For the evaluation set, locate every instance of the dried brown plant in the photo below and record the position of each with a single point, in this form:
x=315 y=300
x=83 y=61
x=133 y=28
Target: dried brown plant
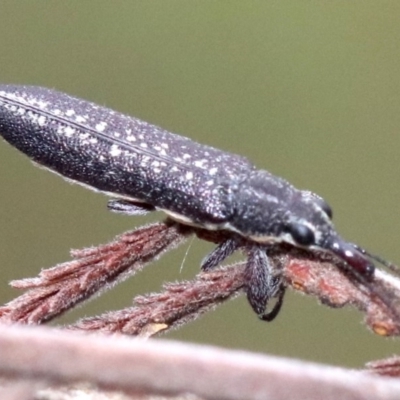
x=60 y=288
x=386 y=367
x=96 y=269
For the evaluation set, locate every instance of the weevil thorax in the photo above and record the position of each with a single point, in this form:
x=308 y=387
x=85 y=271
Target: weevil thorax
x=269 y=209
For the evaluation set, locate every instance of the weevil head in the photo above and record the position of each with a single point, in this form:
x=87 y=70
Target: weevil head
x=269 y=209
x=310 y=226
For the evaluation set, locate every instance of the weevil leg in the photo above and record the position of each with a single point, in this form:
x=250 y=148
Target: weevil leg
x=129 y=207
x=263 y=283
x=222 y=251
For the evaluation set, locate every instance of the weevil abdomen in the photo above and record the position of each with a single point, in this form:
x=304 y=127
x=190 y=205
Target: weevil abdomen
x=120 y=155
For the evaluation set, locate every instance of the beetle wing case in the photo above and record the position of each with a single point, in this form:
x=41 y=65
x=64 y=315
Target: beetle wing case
x=118 y=154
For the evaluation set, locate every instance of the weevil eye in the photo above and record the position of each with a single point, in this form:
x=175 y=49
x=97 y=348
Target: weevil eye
x=301 y=234
x=326 y=208
x=322 y=204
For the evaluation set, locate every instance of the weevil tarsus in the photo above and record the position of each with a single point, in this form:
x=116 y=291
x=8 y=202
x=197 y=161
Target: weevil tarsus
x=271 y=315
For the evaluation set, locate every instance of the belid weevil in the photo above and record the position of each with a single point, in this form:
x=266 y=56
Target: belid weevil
x=146 y=168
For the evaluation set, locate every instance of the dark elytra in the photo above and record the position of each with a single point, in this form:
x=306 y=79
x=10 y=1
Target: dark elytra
x=146 y=168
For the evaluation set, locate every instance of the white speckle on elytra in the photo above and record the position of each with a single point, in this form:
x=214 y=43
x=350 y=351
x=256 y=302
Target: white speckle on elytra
x=213 y=171
x=145 y=160
x=131 y=138
x=101 y=126
x=84 y=136
x=37 y=102
x=189 y=175
x=42 y=104
x=10 y=95
x=156 y=170
x=199 y=163
x=117 y=134
x=93 y=140
x=210 y=183
x=68 y=131
x=115 y=151
x=56 y=111
x=163 y=152
x=70 y=113
x=349 y=253
x=186 y=156
x=21 y=111
x=79 y=118
x=144 y=145
x=165 y=145
x=155 y=164
x=174 y=169
x=42 y=120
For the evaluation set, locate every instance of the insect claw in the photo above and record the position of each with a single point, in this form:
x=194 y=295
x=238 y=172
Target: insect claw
x=271 y=315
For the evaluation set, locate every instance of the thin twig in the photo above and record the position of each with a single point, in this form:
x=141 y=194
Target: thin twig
x=177 y=305
x=164 y=367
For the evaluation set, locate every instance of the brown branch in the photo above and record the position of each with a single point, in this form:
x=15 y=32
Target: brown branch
x=177 y=305
x=164 y=367
x=318 y=275
x=182 y=302
x=58 y=289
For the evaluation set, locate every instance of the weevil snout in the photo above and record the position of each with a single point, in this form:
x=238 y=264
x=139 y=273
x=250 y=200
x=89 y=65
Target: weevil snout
x=316 y=211
x=348 y=253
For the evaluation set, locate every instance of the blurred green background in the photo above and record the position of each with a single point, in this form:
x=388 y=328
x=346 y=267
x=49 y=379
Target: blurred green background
x=309 y=90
